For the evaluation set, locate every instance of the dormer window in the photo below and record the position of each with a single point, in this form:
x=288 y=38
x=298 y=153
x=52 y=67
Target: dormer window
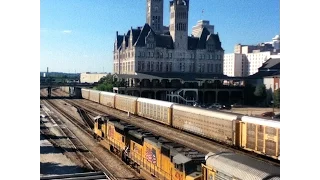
x=150 y=45
x=210 y=47
x=150 y=41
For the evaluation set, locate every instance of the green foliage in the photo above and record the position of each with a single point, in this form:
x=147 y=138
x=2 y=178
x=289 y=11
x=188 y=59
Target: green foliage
x=108 y=79
x=249 y=97
x=276 y=100
x=104 y=87
x=106 y=83
x=260 y=91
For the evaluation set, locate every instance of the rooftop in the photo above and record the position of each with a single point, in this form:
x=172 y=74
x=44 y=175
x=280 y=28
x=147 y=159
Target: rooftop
x=165 y=40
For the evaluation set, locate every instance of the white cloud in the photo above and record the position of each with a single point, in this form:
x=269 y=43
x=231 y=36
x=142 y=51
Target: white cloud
x=66 y=31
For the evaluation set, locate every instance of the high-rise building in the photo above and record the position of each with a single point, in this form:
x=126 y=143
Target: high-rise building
x=196 y=30
x=252 y=57
x=233 y=64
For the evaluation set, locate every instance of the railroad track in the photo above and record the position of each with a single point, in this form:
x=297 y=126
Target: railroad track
x=196 y=142
x=73 y=120
x=90 y=159
x=83 y=114
x=65 y=146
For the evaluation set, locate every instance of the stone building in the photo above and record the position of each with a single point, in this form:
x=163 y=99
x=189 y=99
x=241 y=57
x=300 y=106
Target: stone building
x=163 y=62
x=150 y=49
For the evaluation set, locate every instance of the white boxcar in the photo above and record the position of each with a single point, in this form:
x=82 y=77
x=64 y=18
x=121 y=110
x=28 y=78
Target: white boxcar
x=65 y=89
x=94 y=96
x=219 y=126
x=156 y=110
x=126 y=103
x=85 y=93
x=229 y=165
x=261 y=135
x=107 y=99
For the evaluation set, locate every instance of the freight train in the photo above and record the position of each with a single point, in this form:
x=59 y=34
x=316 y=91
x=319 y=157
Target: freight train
x=259 y=135
x=167 y=160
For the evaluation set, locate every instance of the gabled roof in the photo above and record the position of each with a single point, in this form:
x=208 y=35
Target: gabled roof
x=272 y=63
x=192 y=43
x=201 y=42
x=119 y=41
x=203 y=38
x=166 y=41
x=144 y=32
x=135 y=33
x=262 y=74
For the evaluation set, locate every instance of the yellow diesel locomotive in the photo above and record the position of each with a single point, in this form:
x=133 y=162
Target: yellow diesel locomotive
x=146 y=152
x=167 y=160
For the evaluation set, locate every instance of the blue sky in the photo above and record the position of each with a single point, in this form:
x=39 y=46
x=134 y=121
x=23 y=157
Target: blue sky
x=78 y=35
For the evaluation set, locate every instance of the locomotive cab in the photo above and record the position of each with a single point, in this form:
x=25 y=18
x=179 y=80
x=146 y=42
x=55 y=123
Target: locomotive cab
x=99 y=127
x=187 y=165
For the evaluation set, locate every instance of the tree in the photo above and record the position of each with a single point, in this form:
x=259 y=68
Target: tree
x=104 y=87
x=260 y=92
x=106 y=83
x=276 y=100
x=106 y=79
x=249 y=97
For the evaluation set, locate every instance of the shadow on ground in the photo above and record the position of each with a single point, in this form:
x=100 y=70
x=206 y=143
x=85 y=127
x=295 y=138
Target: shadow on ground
x=59 y=97
x=56 y=169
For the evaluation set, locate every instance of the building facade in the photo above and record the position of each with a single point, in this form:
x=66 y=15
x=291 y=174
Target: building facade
x=91 y=77
x=233 y=64
x=253 y=57
x=272 y=83
x=153 y=49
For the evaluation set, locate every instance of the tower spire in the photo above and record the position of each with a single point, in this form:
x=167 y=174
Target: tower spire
x=155 y=15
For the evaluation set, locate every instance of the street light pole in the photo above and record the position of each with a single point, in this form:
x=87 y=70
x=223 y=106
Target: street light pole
x=216 y=90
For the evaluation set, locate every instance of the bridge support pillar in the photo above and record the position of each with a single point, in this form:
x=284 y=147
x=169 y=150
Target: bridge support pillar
x=71 y=91
x=77 y=92
x=49 y=91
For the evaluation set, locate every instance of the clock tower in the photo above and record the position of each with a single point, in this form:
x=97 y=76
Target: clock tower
x=155 y=15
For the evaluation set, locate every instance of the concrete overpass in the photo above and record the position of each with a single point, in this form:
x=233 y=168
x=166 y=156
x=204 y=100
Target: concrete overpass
x=53 y=85
x=74 y=88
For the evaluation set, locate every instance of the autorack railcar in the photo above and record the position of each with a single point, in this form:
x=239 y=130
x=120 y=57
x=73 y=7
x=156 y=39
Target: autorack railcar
x=231 y=166
x=215 y=125
x=107 y=99
x=160 y=111
x=261 y=136
x=126 y=103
